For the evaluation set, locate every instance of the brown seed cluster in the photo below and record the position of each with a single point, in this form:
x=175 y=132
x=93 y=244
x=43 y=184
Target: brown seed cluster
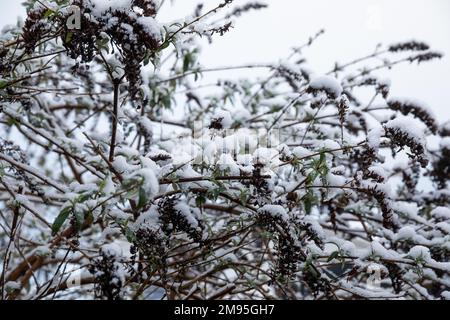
x=401 y=139
x=34 y=28
x=409 y=46
x=411 y=107
x=122 y=28
x=238 y=11
x=107 y=284
x=175 y=221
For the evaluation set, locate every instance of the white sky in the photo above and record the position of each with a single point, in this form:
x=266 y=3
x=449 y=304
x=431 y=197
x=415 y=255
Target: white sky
x=353 y=28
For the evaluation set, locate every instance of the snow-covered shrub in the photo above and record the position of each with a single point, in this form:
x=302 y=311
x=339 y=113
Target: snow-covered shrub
x=124 y=166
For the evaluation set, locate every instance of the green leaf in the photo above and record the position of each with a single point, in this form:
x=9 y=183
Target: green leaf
x=143 y=199
x=164 y=45
x=60 y=219
x=12 y=122
x=311 y=177
x=149 y=57
x=309 y=200
x=82 y=198
x=68 y=37
x=62 y=2
x=308 y=205
x=129 y=234
x=243 y=196
x=3 y=84
x=186 y=62
x=332 y=256
x=200 y=201
x=323 y=168
x=102 y=185
x=48 y=13
x=313 y=271
x=322 y=159
x=79 y=219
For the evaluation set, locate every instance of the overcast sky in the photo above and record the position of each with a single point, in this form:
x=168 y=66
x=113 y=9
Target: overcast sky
x=353 y=28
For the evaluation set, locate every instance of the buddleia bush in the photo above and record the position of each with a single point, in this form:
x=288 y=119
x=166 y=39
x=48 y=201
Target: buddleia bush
x=129 y=170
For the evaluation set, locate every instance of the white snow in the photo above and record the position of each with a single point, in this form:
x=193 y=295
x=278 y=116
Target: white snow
x=329 y=144
x=407 y=232
x=100 y=6
x=379 y=170
x=419 y=252
x=335 y=180
x=224 y=117
x=226 y=162
x=264 y=155
x=444 y=226
x=445 y=126
x=12 y=285
x=148 y=219
x=150 y=183
x=441 y=213
x=328 y=84
x=413 y=102
x=151 y=26
x=413 y=127
x=384 y=82
x=445 y=143
x=374 y=136
x=188 y=214
x=275 y=210
x=446 y=295
x=301 y=152
x=379 y=250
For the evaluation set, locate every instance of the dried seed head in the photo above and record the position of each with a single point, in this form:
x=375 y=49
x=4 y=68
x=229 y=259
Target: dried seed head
x=417 y=109
x=34 y=28
x=177 y=218
x=108 y=284
x=238 y=11
x=423 y=57
x=409 y=46
x=385 y=207
x=444 y=129
x=402 y=138
x=343 y=105
x=132 y=30
x=149 y=7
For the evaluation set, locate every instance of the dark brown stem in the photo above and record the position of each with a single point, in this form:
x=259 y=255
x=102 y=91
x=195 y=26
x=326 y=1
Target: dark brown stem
x=116 y=84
